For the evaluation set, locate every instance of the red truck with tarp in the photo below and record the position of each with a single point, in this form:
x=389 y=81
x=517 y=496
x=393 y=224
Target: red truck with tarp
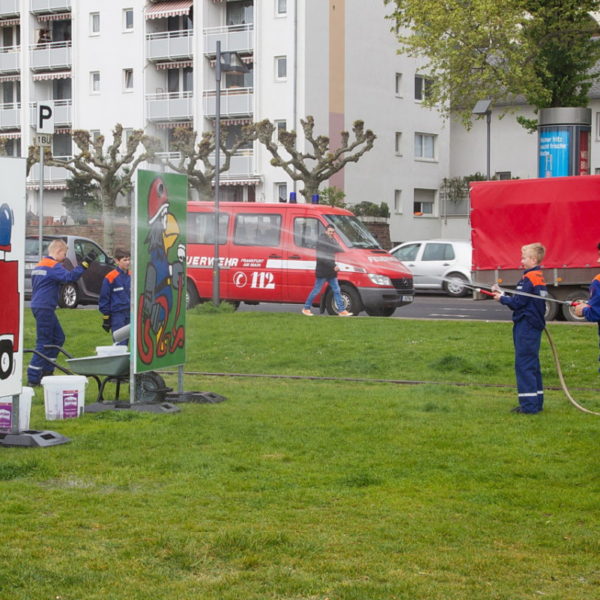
x=563 y=213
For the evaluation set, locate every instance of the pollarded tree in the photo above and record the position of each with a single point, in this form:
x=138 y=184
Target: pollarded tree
x=543 y=50
x=319 y=162
x=197 y=157
x=111 y=169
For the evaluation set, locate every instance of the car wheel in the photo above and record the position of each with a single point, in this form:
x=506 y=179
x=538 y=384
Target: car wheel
x=351 y=298
x=569 y=311
x=455 y=285
x=191 y=295
x=6 y=358
x=68 y=296
x=382 y=312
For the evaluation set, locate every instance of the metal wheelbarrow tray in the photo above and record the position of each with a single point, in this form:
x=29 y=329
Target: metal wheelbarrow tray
x=112 y=367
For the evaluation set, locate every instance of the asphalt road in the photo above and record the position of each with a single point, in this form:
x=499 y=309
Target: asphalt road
x=426 y=306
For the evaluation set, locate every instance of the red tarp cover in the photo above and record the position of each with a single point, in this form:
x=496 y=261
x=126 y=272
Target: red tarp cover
x=563 y=213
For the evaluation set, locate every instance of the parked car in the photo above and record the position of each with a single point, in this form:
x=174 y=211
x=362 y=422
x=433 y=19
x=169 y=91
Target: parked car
x=438 y=264
x=87 y=288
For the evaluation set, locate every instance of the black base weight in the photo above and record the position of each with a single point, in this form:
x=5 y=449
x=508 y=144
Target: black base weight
x=32 y=439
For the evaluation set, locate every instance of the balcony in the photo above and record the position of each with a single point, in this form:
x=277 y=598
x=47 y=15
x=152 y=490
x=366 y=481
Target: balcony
x=9 y=59
x=48 y=6
x=62 y=112
x=9 y=8
x=56 y=55
x=235 y=102
x=52 y=175
x=174 y=106
x=235 y=38
x=241 y=165
x=170 y=45
x=10 y=116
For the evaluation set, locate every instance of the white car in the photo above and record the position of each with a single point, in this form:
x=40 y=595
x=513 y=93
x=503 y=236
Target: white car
x=437 y=264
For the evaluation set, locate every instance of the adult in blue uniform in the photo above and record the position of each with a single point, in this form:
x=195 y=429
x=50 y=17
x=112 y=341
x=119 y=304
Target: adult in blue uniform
x=591 y=309
x=115 y=295
x=46 y=279
x=528 y=324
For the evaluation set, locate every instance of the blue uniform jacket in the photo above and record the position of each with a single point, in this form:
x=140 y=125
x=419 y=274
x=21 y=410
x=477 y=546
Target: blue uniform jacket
x=46 y=278
x=523 y=307
x=592 y=312
x=115 y=292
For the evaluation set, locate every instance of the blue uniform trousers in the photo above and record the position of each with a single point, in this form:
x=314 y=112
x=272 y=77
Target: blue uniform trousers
x=118 y=320
x=48 y=331
x=527 y=342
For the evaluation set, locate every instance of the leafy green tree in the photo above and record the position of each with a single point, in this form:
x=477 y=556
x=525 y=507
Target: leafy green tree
x=81 y=200
x=542 y=50
x=319 y=162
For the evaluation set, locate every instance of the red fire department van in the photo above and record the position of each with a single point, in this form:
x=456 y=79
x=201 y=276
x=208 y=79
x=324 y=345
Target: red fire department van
x=267 y=254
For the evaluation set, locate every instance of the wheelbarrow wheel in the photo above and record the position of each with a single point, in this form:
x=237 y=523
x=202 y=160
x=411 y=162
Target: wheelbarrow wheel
x=150 y=388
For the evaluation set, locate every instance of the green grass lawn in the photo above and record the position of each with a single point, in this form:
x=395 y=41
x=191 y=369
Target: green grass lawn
x=317 y=489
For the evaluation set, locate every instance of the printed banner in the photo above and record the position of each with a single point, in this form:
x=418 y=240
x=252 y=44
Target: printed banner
x=159 y=270
x=12 y=270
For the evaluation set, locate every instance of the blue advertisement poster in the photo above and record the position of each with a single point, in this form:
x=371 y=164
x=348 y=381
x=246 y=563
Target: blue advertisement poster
x=554 y=152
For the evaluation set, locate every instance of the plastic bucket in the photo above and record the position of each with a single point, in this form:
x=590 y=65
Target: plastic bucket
x=111 y=350
x=6 y=410
x=64 y=396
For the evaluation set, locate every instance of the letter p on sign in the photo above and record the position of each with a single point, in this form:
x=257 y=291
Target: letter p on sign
x=45 y=117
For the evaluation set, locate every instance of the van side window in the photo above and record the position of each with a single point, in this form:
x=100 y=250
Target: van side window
x=307 y=231
x=201 y=228
x=257 y=229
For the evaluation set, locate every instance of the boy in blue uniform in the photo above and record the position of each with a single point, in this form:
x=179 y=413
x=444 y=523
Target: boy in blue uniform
x=591 y=309
x=46 y=279
x=528 y=324
x=115 y=294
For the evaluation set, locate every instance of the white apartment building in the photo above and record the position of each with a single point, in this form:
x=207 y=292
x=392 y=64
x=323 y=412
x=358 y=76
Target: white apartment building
x=150 y=65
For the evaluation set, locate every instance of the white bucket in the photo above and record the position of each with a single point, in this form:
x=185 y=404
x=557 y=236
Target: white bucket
x=111 y=350
x=64 y=396
x=6 y=410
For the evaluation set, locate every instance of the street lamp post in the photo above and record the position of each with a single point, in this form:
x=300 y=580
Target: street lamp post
x=232 y=63
x=483 y=107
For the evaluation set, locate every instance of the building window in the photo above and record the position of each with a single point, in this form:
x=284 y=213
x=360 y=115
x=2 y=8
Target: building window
x=422 y=85
x=280 y=68
x=127 y=80
x=240 y=12
x=398 y=202
x=424 y=202
x=94 y=23
x=128 y=19
x=281 y=8
x=598 y=126
x=503 y=175
x=425 y=146
x=95 y=82
x=62 y=89
x=95 y=134
x=180 y=80
x=61 y=144
x=281 y=192
x=398 y=85
x=398 y=143
x=280 y=125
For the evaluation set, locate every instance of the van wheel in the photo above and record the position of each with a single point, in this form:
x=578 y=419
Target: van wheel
x=6 y=358
x=68 y=296
x=351 y=298
x=191 y=295
x=381 y=312
x=455 y=287
x=569 y=311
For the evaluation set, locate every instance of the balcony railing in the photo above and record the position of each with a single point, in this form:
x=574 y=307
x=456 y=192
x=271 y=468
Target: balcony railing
x=9 y=58
x=10 y=115
x=170 y=45
x=62 y=112
x=235 y=38
x=55 y=55
x=9 y=8
x=235 y=102
x=241 y=165
x=172 y=106
x=51 y=174
x=45 y=6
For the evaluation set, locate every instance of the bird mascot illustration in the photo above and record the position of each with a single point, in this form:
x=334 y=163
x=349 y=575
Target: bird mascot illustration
x=161 y=300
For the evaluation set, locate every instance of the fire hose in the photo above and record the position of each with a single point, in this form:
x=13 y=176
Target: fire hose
x=487 y=292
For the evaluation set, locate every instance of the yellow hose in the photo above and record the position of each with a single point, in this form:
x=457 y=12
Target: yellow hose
x=562 y=379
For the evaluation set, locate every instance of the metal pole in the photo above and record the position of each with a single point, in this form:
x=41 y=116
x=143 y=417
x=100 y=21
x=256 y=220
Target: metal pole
x=41 y=203
x=488 y=118
x=216 y=273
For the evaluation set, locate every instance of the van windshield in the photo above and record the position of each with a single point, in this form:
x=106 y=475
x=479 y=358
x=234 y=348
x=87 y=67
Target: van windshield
x=353 y=233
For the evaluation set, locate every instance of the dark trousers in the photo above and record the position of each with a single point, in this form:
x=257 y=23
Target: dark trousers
x=527 y=342
x=48 y=331
x=118 y=320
